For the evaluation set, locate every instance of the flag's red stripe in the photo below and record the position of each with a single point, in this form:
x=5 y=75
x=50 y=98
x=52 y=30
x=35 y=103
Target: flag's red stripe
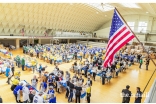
x=117 y=49
x=129 y=39
x=121 y=38
x=115 y=36
x=121 y=45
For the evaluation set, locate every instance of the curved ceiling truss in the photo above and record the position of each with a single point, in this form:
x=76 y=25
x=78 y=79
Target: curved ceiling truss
x=37 y=18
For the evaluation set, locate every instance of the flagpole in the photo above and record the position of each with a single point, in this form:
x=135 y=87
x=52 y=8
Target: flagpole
x=143 y=49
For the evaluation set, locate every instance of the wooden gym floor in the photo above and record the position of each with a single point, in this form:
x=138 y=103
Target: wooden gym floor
x=108 y=93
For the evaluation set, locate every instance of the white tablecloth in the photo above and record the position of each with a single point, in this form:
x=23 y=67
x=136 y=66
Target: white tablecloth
x=3 y=50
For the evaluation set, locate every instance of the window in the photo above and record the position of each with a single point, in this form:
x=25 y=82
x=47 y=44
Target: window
x=142 y=27
x=130 y=5
x=131 y=25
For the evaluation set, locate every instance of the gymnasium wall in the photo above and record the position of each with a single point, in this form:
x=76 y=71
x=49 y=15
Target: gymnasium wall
x=45 y=41
x=104 y=30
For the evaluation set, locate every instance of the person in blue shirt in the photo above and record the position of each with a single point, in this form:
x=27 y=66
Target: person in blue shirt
x=43 y=86
x=40 y=70
x=52 y=99
x=7 y=71
x=16 y=92
x=50 y=81
x=8 y=74
x=37 y=51
x=51 y=90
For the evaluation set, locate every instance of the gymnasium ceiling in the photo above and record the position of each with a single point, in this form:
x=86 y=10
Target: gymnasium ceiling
x=37 y=18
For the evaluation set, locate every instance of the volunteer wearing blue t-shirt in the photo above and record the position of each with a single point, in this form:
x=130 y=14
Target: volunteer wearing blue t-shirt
x=51 y=90
x=52 y=98
x=16 y=92
x=8 y=74
x=7 y=71
x=43 y=86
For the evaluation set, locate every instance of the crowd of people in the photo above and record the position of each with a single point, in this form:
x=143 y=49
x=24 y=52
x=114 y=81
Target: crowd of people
x=89 y=66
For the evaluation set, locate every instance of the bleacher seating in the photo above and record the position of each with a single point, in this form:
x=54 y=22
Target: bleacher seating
x=93 y=44
x=70 y=34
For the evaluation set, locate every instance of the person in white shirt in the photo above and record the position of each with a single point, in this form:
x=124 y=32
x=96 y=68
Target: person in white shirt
x=38 y=98
x=79 y=68
x=108 y=75
x=34 y=82
x=86 y=62
x=67 y=76
x=55 y=71
x=90 y=66
x=76 y=69
x=26 y=92
x=124 y=65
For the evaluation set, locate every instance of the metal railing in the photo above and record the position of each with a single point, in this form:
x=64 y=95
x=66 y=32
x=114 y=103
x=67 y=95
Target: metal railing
x=151 y=94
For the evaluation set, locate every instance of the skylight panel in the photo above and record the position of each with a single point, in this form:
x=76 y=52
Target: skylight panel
x=130 y=5
x=101 y=6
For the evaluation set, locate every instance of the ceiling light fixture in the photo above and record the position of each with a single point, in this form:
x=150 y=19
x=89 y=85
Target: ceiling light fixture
x=146 y=12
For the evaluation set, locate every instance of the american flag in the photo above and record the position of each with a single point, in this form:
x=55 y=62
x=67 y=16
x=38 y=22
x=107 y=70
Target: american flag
x=119 y=35
x=22 y=31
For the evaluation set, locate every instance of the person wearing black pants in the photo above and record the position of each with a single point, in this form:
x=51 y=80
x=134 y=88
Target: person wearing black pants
x=37 y=54
x=13 y=69
x=1 y=101
x=8 y=81
x=147 y=63
x=77 y=98
x=16 y=98
x=67 y=91
x=103 y=78
x=57 y=83
x=78 y=93
x=88 y=91
x=70 y=95
x=51 y=61
x=94 y=75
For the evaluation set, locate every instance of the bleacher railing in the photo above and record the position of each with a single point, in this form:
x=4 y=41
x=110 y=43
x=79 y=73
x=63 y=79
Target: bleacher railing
x=150 y=98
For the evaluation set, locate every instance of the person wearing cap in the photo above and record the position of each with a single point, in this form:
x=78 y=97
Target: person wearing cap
x=26 y=92
x=126 y=94
x=31 y=96
x=16 y=92
x=15 y=82
x=38 y=98
x=52 y=98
